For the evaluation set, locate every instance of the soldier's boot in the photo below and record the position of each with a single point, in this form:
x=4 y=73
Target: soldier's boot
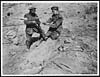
x=45 y=38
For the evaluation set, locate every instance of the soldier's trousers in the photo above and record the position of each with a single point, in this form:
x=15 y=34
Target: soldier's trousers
x=53 y=34
x=29 y=38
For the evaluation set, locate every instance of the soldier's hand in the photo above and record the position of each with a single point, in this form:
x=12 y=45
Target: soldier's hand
x=33 y=21
x=53 y=26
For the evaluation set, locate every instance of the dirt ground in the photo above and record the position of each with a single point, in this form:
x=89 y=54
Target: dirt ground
x=74 y=52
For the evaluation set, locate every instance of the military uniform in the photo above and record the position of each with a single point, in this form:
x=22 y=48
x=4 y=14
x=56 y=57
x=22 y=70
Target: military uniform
x=32 y=27
x=56 y=27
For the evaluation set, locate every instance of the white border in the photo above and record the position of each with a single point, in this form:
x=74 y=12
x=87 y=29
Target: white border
x=49 y=1
x=54 y=2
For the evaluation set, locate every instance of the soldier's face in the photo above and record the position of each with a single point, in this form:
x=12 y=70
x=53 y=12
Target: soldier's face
x=33 y=11
x=54 y=11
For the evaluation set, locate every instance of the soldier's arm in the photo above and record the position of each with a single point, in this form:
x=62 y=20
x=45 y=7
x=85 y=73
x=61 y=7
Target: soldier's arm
x=27 y=21
x=48 y=22
x=37 y=20
x=57 y=23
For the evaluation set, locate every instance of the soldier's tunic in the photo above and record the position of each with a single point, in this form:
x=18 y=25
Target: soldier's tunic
x=55 y=29
x=31 y=27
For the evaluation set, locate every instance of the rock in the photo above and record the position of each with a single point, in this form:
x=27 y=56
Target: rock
x=11 y=34
x=12 y=53
x=15 y=41
x=61 y=48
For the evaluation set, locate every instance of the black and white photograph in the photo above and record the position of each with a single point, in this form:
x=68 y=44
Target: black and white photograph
x=49 y=38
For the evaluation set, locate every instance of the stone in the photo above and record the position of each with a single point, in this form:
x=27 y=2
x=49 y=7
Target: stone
x=11 y=34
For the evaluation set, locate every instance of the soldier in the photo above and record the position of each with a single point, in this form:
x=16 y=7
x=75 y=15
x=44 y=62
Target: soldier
x=32 y=25
x=55 y=23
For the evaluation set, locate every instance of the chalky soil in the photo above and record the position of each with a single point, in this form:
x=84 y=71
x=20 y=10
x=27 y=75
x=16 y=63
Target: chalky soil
x=74 y=52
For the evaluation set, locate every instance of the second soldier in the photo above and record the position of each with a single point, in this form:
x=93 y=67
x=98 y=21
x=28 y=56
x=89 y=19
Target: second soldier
x=55 y=23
